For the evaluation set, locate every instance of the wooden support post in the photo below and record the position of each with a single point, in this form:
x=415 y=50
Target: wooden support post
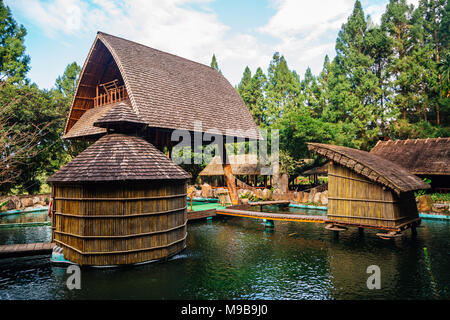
x=229 y=177
x=269 y=223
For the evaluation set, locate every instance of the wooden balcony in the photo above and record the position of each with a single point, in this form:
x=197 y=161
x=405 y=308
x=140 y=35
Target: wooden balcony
x=109 y=92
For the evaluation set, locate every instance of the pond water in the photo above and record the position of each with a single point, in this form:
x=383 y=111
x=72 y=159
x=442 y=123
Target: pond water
x=237 y=258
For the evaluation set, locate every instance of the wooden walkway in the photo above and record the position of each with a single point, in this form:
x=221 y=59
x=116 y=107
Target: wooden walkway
x=23 y=250
x=272 y=216
x=267 y=203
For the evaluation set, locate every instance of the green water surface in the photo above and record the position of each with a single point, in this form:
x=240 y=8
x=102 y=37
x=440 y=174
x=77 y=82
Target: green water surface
x=238 y=258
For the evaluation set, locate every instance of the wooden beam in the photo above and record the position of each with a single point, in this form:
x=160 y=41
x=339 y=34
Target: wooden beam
x=85 y=98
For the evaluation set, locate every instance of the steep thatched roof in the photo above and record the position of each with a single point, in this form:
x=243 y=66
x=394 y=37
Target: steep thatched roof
x=371 y=166
x=119 y=157
x=165 y=90
x=418 y=156
x=241 y=164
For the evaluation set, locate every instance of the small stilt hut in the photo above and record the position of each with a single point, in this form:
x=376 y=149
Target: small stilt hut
x=121 y=201
x=367 y=191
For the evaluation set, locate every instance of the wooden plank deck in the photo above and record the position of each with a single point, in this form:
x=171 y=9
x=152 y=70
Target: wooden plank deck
x=195 y=215
x=24 y=250
x=272 y=216
x=266 y=203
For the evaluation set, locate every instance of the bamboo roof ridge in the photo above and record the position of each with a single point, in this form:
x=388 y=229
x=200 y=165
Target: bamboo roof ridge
x=371 y=166
x=165 y=90
x=119 y=157
x=120 y=113
x=418 y=156
x=241 y=164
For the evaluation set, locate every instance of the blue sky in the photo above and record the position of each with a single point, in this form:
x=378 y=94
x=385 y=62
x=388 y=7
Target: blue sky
x=240 y=33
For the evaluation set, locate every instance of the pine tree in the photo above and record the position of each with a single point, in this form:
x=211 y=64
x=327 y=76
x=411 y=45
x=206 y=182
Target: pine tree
x=282 y=89
x=214 y=63
x=396 y=22
x=14 y=63
x=354 y=90
x=246 y=78
x=310 y=92
x=322 y=84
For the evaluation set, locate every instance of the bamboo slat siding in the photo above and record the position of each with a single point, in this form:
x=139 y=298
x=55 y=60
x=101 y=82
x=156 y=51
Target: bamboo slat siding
x=145 y=221
x=355 y=200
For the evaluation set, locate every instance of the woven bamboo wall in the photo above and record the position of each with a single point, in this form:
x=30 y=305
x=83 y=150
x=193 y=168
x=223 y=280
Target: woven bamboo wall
x=355 y=200
x=118 y=223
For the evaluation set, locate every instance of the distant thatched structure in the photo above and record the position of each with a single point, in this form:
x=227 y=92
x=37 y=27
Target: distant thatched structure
x=423 y=157
x=368 y=191
x=241 y=164
x=247 y=165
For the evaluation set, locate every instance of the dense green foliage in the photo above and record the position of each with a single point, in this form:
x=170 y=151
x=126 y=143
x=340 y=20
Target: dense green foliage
x=31 y=120
x=389 y=80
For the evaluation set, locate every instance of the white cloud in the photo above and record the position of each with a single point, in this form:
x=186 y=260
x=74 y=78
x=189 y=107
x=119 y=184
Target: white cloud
x=306 y=30
x=170 y=25
x=302 y=30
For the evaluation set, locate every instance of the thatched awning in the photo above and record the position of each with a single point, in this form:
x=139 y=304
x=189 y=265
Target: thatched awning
x=317 y=170
x=371 y=166
x=84 y=127
x=119 y=157
x=241 y=164
x=165 y=90
x=120 y=114
x=418 y=156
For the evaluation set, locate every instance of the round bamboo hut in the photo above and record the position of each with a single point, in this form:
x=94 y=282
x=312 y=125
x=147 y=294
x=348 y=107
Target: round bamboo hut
x=367 y=191
x=121 y=201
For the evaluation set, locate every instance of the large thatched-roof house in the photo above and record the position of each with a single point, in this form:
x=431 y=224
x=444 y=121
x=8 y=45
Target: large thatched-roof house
x=367 y=191
x=426 y=158
x=166 y=91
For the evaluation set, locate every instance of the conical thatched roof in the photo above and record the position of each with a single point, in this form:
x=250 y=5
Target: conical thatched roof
x=418 y=156
x=371 y=166
x=119 y=157
x=165 y=90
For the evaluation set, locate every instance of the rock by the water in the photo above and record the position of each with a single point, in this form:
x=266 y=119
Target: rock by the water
x=425 y=203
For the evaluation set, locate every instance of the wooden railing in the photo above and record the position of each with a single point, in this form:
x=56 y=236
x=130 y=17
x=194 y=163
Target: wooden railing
x=111 y=96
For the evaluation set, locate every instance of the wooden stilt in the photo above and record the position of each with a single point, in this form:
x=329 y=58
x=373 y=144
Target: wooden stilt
x=229 y=177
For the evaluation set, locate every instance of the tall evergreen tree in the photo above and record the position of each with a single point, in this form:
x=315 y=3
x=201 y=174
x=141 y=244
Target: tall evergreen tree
x=282 y=89
x=14 y=63
x=354 y=90
x=246 y=78
x=214 y=63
